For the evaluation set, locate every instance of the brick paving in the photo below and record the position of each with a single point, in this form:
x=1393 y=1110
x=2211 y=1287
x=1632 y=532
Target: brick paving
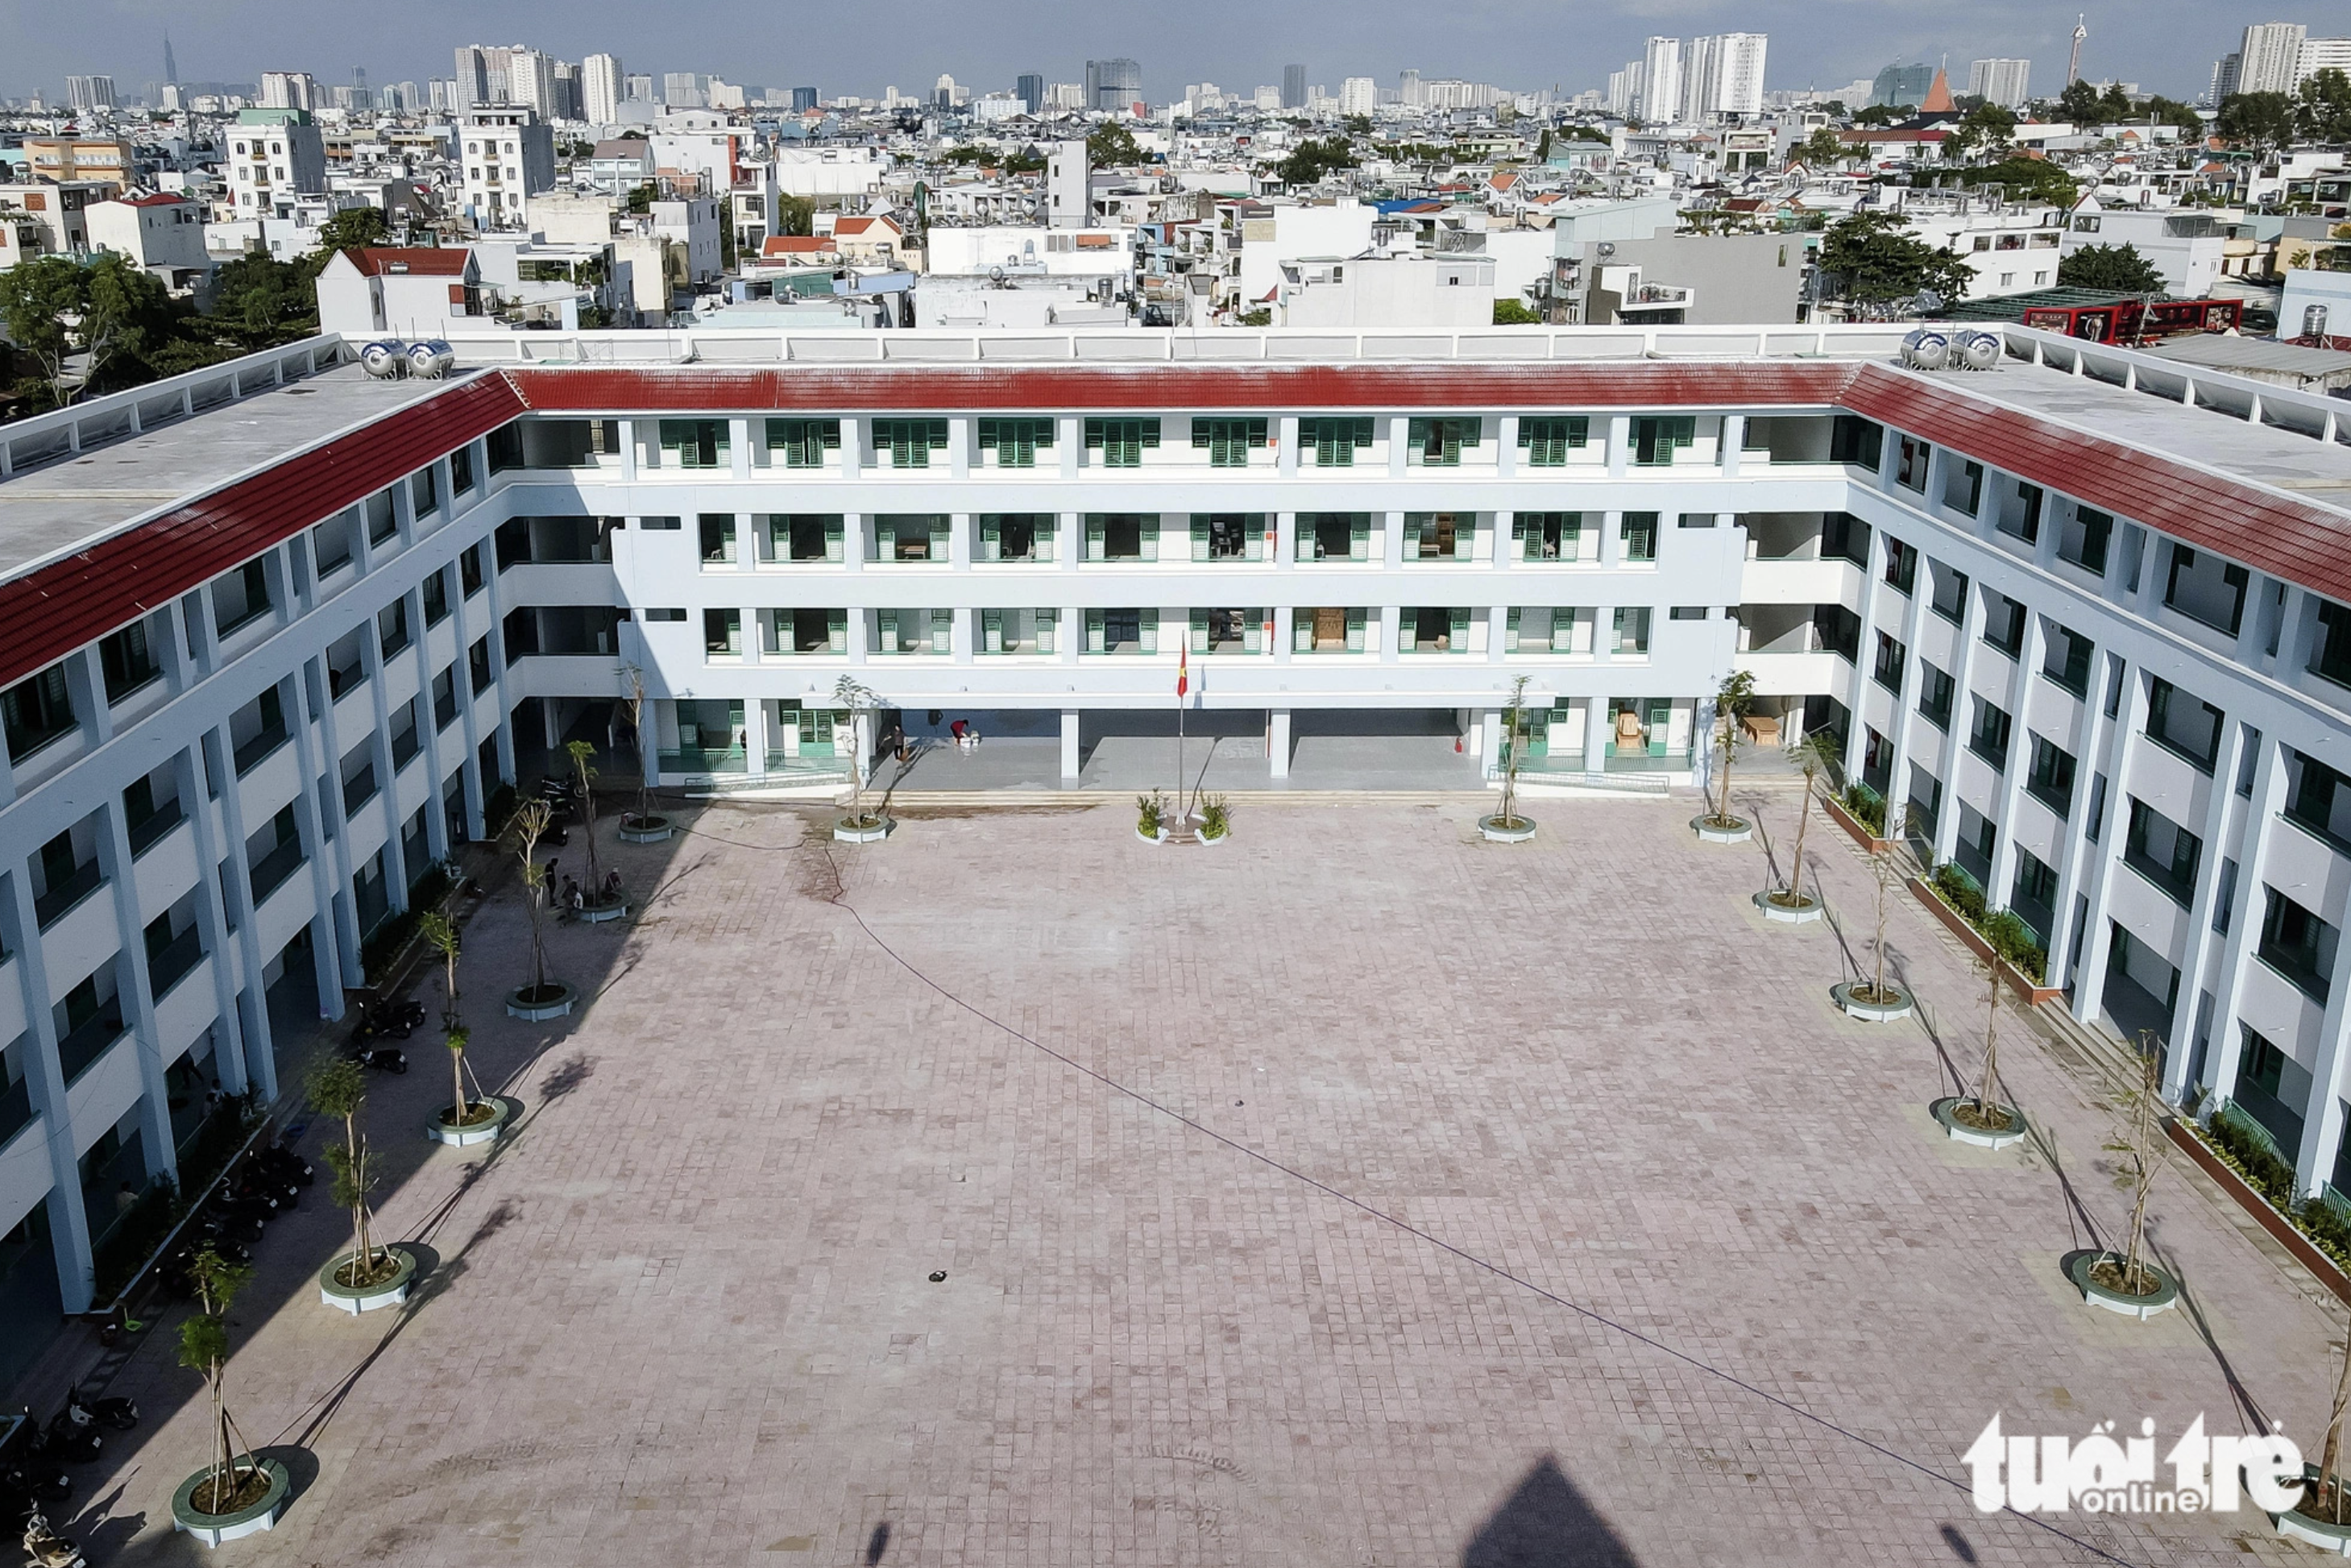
x=1446 y=1203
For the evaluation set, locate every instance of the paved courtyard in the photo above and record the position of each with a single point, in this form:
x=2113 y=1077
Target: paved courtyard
x=1353 y=1193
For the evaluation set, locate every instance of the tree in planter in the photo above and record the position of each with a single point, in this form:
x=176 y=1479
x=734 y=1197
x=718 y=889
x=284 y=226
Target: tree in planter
x=440 y=933
x=580 y=751
x=531 y=820
x=632 y=694
x=1514 y=740
x=1985 y=1111
x=2141 y=1158
x=2322 y=1498
x=235 y=1478
x=339 y=1090
x=858 y=700
x=1885 y=871
x=1815 y=755
x=1733 y=701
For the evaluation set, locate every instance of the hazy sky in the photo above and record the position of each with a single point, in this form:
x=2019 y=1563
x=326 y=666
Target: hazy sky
x=2166 y=46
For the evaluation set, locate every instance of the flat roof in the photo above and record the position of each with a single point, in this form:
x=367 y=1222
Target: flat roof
x=54 y=509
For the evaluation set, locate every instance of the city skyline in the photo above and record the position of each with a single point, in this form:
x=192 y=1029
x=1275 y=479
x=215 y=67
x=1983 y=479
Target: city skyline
x=2166 y=45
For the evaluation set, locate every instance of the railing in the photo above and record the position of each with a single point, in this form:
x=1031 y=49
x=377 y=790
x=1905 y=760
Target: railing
x=359 y=788
x=2311 y=414
x=16 y=1109
x=274 y=868
x=249 y=755
x=52 y=905
x=52 y=437
x=705 y=760
x=169 y=964
x=85 y=1044
x=144 y=832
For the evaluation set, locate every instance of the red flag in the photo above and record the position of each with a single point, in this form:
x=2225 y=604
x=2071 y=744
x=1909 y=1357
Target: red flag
x=1184 y=669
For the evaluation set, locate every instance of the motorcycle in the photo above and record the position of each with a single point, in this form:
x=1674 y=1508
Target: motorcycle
x=117 y=1413
x=381 y=1058
x=283 y=1165
x=44 y=1547
x=22 y=1487
x=65 y=1443
x=390 y=1019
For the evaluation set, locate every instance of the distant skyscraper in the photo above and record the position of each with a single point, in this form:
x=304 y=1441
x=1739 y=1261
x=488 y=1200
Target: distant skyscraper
x=2270 y=56
x=84 y=93
x=2003 y=82
x=637 y=88
x=1409 y=88
x=1293 y=86
x=681 y=89
x=600 y=89
x=170 y=66
x=1113 y=84
x=1724 y=75
x=1661 y=81
x=289 y=89
x=2323 y=55
x=803 y=99
x=1899 y=85
x=1358 y=95
x=1029 y=87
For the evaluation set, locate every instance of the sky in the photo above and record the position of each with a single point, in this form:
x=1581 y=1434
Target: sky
x=2166 y=45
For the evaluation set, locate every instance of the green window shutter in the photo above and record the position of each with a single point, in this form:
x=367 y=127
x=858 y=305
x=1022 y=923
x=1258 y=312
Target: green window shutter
x=1416 y=434
x=832 y=539
x=1253 y=633
x=987 y=434
x=1044 y=537
x=1525 y=540
x=1149 y=531
x=1511 y=633
x=1199 y=536
x=1046 y=623
x=1095 y=435
x=1150 y=432
x=1470 y=432
x=1200 y=630
x=1253 y=547
x=1661 y=713
x=991 y=538
x=1571 y=536
x=1041 y=430
x=1258 y=432
x=1093 y=537
x=1359 y=540
x=836 y=630
x=940 y=525
x=991 y=630
x=1206 y=432
x=1458 y=636
x=1465 y=536
x=1302 y=630
x=942 y=630
x=1412 y=530
x=1562 y=631
x=1093 y=631
x=1147 y=630
x=1303 y=529
x=1355 y=631
x=886 y=621
x=1685 y=429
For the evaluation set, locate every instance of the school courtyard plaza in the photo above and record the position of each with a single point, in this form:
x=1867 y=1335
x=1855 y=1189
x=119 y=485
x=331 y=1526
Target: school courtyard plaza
x=1352 y=1192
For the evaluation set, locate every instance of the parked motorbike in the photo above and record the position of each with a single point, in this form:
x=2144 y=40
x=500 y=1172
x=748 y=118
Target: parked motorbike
x=225 y=1228
x=44 y=1547
x=65 y=1443
x=23 y=1486
x=390 y=1019
x=381 y=1058
x=117 y=1413
x=285 y=1165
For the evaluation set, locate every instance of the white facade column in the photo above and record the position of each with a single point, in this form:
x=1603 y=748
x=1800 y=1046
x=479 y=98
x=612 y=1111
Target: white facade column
x=1069 y=757
x=45 y=1086
x=2322 y=1117
x=1277 y=742
x=2261 y=830
x=2090 y=991
x=1865 y=650
x=2017 y=763
x=135 y=986
x=2197 y=957
x=1968 y=634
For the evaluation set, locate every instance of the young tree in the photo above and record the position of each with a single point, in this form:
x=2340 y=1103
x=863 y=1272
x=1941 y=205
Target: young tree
x=1989 y=1110
x=632 y=694
x=1733 y=700
x=204 y=1350
x=439 y=933
x=860 y=701
x=2141 y=1159
x=1824 y=149
x=1815 y=755
x=339 y=1090
x=531 y=820
x=580 y=751
x=1885 y=871
x=1514 y=741
x=2119 y=267
x=2324 y=1497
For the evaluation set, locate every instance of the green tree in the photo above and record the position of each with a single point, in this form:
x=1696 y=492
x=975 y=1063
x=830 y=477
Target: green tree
x=2257 y=120
x=2323 y=110
x=1733 y=701
x=204 y=1350
x=1824 y=149
x=1878 y=116
x=339 y=1090
x=1877 y=263
x=1309 y=161
x=794 y=215
x=1985 y=125
x=109 y=313
x=2115 y=105
x=2022 y=179
x=261 y=301
x=2119 y=267
x=1515 y=313
x=37 y=298
x=354 y=229
x=1112 y=146
x=2165 y=111
x=2079 y=103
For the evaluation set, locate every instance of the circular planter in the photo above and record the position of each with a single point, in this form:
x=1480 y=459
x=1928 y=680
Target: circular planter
x=1494 y=832
x=2163 y=1297
x=356 y=1300
x=2296 y=1525
x=598 y=913
x=646 y=831
x=1960 y=1132
x=1846 y=994
x=1714 y=834
x=212 y=1529
x=1158 y=838
x=438 y=1129
x=1804 y=914
x=1220 y=839
x=847 y=830
x=538 y=1011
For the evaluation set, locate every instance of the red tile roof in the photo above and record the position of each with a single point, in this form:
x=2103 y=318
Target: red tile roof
x=795 y=245
x=414 y=261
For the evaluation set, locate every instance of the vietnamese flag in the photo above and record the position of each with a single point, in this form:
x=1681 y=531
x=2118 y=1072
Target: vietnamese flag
x=1184 y=669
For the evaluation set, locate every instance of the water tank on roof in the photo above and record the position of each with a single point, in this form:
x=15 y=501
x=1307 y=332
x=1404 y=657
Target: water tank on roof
x=431 y=359
x=1925 y=349
x=1975 y=349
x=384 y=358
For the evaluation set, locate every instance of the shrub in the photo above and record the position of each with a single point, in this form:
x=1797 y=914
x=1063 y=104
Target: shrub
x=1150 y=811
x=1867 y=807
x=2248 y=1146
x=1960 y=890
x=1216 y=816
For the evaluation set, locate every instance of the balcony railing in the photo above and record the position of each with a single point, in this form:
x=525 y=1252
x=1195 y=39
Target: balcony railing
x=169 y=964
x=705 y=760
x=82 y=1046
x=249 y=755
x=146 y=831
x=52 y=905
x=274 y=868
x=16 y=1109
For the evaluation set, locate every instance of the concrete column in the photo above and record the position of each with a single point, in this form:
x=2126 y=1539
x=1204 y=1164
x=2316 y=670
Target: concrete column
x=1595 y=734
x=1069 y=758
x=1733 y=442
x=755 y=738
x=1277 y=742
x=138 y=995
x=2259 y=830
x=2074 y=848
x=1865 y=653
x=2019 y=761
x=45 y=1084
x=212 y=918
x=2321 y=1119
x=2197 y=957
x=1906 y=699
x=2096 y=941
x=1970 y=634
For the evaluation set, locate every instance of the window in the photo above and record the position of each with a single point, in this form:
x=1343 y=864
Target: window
x=36 y=712
x=1122 y=535
x=722 y=633
x=802 y=443
x=382 y=526
x=1901 y=565
x=2207 y=589
x=1122 y=442
x=1334 y=535
x=909 y=441
x=436 y=598
x=659 y=525
x=2085 y=539
x=1988 y=737
x=2051 y=778
x=807 y=538
x=2004 y=623
x=241 y=596
x=661 y=614
x=391 y=628
x=1838 y=630
x=1016 y=441
x=2185 y=726
x=1655 y=437
x=461 y=471
x=1936 y=691
x=1639 y=532
x=1687 y=613
x=506 y=445
x=444 y=698
x=2330 y=656
x=1548 y=535
x=717 y=537
x=2021 y=516
x=1232 y=536
x=469 y=570
x=1845 y=536
x=1016 y=536
x=1130 y=631
x=2068 y=660
x=1632 y=633
x=1333 y=441
x=2298 y=945
x=1438 y=443
x=912 y=535
x=1910 y=460
x=126 y=661
x=1228 y=442
x=1548 y=439
x=1892 y=658
x=694 y=442
x=1856 y=441
x=477 y=664
x=1951 y=601
x=2318 y=799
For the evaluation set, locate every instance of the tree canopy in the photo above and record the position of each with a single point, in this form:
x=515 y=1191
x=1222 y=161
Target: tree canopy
x=2021 y=179
x=1823 y=148
x=1876 y=262
x=1515 y=313
x=1985 y=125
x=2086 y=105
x=1310 y=160
x=2322 y=111
x=1111 y=146
x=2257 y=119
x=2119 y=267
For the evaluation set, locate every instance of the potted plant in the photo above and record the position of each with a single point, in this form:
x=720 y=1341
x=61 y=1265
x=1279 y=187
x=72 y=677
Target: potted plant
x=1733 y=700
x=542 y=997
x=1790 y=904
x=2125 y=1282
x=1151 y=817
x=1215 y=819
x=1981 y=1118
x=595 y=905
x=643 y=825
x=474 y=1121
x=369 y=1275
x=860 y=826
x=1506 y=826
x=2324 y=1516
x=237 y=1493
x=1878 y=1000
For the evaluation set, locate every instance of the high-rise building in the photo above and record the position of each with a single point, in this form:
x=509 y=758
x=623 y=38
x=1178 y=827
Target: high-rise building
x=1660 y=94
x=2323 y=55
x=2003 y=82
x=1358 y=95
x=1409 y=88
x=2224 y=77
x=1113 y=84
x=1724 y=76
x=87 y=93
x=1897 y=85
x=1624 y=89
x=2270 y=59
x=681 y=89
x=637 y=88
x=943 y=91
x=171 y=66
x=289 y=89
x=804 y=99
x=600 y=89
x=1293 y=86
x=508 y=73
x=1029 y=87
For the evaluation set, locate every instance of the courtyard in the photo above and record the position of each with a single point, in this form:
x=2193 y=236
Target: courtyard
x=1352 y=1192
